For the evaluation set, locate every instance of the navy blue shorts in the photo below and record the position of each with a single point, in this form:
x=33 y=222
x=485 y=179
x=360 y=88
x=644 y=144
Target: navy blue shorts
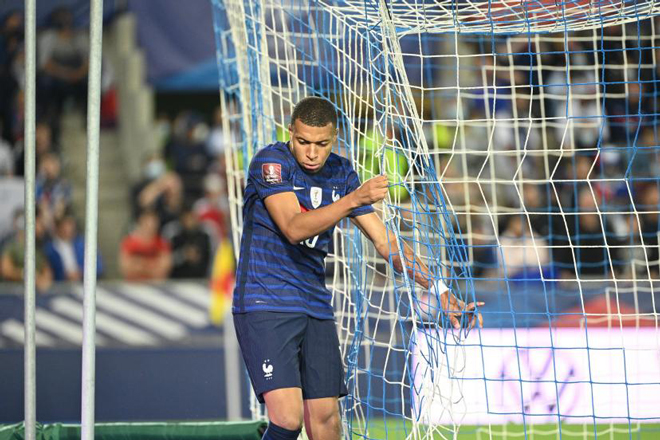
x=286 y=350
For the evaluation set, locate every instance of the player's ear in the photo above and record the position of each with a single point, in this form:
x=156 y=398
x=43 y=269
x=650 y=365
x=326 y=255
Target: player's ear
x=290 y=131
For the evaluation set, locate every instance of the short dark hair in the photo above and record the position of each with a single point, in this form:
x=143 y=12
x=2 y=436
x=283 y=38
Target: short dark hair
x=315 y=112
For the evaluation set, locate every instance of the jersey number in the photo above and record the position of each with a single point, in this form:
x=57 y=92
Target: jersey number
x=310 y=242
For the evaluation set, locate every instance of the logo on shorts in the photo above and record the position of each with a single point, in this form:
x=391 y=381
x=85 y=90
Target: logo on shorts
x=272 y=173
x=268 y=369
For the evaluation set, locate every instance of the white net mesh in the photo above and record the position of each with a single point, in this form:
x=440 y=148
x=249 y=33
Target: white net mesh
x=521 y=144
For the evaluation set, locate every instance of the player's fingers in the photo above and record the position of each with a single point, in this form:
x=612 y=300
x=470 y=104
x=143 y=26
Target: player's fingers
x=473 y=305
x=381 y=181
x=381 y=190
x=376 y=198
x=454 y=321
x=476 y=320
x=377 y=184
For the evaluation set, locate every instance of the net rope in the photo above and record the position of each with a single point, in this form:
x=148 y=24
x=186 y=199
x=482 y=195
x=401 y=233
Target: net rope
x=521 y=144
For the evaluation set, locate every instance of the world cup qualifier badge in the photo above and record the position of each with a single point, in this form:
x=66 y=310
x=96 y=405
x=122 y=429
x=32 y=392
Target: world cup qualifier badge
x=272 y=173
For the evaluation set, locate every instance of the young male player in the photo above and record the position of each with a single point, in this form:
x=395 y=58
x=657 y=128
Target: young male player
x=296 y=193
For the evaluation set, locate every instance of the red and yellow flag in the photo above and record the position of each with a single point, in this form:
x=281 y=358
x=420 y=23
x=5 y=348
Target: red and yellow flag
x=222 y=282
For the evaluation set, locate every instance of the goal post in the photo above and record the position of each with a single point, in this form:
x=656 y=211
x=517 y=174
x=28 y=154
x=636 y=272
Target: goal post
x=520 y=141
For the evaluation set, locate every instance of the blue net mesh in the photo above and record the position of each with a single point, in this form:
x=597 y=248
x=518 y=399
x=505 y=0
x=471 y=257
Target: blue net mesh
x=521 y=146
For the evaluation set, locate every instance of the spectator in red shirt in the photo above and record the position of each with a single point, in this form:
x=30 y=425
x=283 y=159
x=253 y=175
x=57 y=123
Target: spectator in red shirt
x=144 y=254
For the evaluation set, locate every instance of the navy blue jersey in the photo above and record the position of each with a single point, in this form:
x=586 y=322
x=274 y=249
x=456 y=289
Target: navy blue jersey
x=273 y=274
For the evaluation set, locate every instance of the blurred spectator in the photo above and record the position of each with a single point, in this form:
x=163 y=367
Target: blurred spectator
x=6 y=157
x=649 y=199
x=573 y=171
x=627 y=112
x=109 y=95
x=216 y=139
x=523 y=254
x=214 y=207
x=188 y=154
x=66 y=251
x=12 y=198
x=44 y=145
x=144 y=254
x=159 y=190
x=11 y=42
x=589 y=244
x=645 y=160
x=536 y=206
x=13 y=254
x=191 y=247
x=163 y=129
x=63 y=64
x=54 y=193
x=484 y=248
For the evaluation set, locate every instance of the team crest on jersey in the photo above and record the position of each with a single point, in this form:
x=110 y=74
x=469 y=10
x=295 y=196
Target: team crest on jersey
x=316 y=196
x=272 y=173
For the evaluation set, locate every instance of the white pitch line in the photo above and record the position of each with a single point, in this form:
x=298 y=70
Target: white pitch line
x=13 y=329
x=166 y=327
x=193 y=292
x=157 y=299
x=116 y=328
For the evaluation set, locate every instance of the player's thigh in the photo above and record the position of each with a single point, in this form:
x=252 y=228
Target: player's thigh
x=321 y=369
x=285 y=407
x=270 y=344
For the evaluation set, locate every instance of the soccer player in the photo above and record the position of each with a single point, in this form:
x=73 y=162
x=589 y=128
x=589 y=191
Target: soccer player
x=295 y=195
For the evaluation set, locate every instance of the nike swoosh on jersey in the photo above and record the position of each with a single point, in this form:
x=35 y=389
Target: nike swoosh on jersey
x=298 y=188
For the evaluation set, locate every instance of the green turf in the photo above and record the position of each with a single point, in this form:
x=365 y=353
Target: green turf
x=397 y=430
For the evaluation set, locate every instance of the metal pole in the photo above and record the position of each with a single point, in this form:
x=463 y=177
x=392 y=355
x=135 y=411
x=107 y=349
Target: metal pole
x=30 y=355
x=91 y=220
x=232 y=370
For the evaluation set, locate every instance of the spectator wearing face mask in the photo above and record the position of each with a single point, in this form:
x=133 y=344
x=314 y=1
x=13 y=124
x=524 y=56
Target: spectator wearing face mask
x=159 y=190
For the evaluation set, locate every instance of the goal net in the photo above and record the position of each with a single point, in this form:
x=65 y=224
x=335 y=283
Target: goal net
x=520 y=140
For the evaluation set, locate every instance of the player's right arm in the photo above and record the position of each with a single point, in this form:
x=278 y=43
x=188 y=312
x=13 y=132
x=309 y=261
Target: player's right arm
x=297 y=226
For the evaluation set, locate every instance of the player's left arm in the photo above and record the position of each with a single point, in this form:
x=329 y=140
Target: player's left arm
x=386 y=245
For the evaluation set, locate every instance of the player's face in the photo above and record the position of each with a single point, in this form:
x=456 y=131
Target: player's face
x=311 y=146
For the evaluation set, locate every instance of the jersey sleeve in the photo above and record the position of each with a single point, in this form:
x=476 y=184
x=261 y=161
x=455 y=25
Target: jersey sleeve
x=353 y=183
x=271 y=173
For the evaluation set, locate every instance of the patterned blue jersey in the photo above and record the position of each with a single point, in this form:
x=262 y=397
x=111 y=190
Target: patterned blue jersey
x=273 y=274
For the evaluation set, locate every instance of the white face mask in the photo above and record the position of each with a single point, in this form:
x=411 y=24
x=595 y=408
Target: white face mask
x=154 y=169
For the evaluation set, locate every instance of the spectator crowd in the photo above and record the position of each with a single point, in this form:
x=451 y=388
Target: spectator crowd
x=562 y=155
x=581 y=143
x=179 y=207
